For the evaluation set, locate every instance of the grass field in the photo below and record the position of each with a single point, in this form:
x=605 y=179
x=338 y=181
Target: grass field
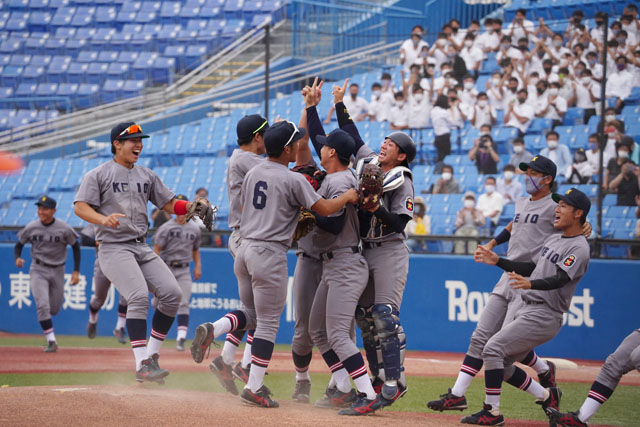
x=622 y=409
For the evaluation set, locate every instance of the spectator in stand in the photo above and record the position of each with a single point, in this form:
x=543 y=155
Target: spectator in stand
x=614 y=130
x=520 y=26
x=575 y=25
x=485 y=155
x=380 y=104
x=439 y=50
x=468 y=219
x=456 y=37
x=471 y=54
x=593 y=154
x=597 y=33
x=508 y=51
x=519 y=114
x=552 y=106
x=399 y=117
x=419 y=225
x=494 y=90
x=469 y=94
x=587 y=93
x=419 y=107
x=556 y=152
x=387 y=84
x=549 y=74
x=508 y=186
x=482 y=113
x=620 y=83
x=634 y=57
x=488 y=41
x=520 y=154
x=357 y=106
x=446 y=184
x=594 y=66
x=627 y=183
x=491 y=203
x=614 y=167
x=580 y=171
x=411 y=48
x=442 y=120
x=556 y=50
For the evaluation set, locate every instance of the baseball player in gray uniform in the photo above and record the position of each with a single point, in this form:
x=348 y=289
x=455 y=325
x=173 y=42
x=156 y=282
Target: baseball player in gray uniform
x=250 y=132
x=625 y=359
x=546 y=296
x=101 y=287
x=114 y=196
x=271 y=199
x=49 y=238
x=383 y=237
x=178 y=243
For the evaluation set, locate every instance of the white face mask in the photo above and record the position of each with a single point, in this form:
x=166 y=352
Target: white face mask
x=586 y=80
x=482 y=103
x=441 y=42
x=518 y=149
x=508 y=175
x=446 y=176
x=495 y=81
x=623 y=154
x=377 y=93
x=468 y=203
x=468 y=43
x=417 y=97
x=557 y=43
x=553 y=91
x=468 y=85
x=552 y=144
x=489 y=188
x=534 y=81
x=610 y=117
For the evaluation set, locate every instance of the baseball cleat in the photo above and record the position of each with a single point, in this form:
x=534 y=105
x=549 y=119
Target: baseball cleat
x=151 y=371
x=334 y=398
x=51 y=347
x=241 y=373
x=302 y=392
x=180 y=344
x=486 y=417
x=553 y=401
x=92 y=330
x=395 y=393
x=362 y=406
x=260 y=398
x=120 y=335
x=377 y=384
x=548 y=379
x=224 y=374
x=202 y=341
x=568 y=419
x=448 y=402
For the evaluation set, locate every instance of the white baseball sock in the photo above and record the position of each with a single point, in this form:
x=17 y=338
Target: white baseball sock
x=140 y=353
x=228 y=352
x=341 y=379
x=246 y=356
x=462 y=384
x=256 y=377
x=363 y=384
x=303 y=376
x=182 y=332
x=153 y=346
x=588 y=409
x=540 y=366
x=50 y=336
x=221 y=327
x=93 y=317
x=121 y=322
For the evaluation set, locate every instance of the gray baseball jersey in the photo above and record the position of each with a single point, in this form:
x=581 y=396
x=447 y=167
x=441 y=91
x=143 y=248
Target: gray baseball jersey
x=112 y=188
x=240 y=163
x=48 y=242
x=271 y=197
x=178 y=241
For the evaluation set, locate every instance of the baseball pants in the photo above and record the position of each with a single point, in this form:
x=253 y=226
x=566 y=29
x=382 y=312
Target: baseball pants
x=101 y=287
x=261 y=269
x=47 y=288
x=135 y=270
x=344 y=277
x=183 y=277
x=388 y=269
x=306 y=279
x=234 y=242
x=625 y=359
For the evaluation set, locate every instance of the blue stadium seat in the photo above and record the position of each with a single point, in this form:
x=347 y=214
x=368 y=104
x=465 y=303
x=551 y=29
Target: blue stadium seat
x=97 y=73
x=67 y=90
x=132 y=88
x=162 y=70
x=87 y=56
x=540 y=125
x=45 y=90
x=112 y=90
x=87 y=95
x=118 y=70
x=25 y=90
x=573 y=116
x=32 y=74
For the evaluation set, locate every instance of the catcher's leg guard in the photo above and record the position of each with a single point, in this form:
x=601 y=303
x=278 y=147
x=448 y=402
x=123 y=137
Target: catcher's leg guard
x=364 y=320
x=403 y=349
x=387 y=324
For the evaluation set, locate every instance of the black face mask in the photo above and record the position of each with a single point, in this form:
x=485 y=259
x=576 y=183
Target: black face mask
x=540 y=90
x=547 y=70
x=513 y=89
x=599 y=23
x=454 y=29
x=523 y=48
x=522 y=100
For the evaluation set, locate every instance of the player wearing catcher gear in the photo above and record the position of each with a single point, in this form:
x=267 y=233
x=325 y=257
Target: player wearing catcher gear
x=100 y=288
x=271 y=200
x=114 y=196
x=250 y=132
x=625 y=359
x=382 y=227
x=546 y=296
x=178 y=243
x=49 y=238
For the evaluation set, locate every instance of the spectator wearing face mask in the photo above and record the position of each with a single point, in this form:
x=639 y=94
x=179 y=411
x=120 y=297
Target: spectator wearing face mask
x=494 y=90
x=491 y=203
x=593 y=154
x=446 y=80
x=597 y=33
x=482 y=113
x=357 y=106
x=614 y=167
x=575 y=22
x=399 y=117
x=593 y=66
x=565 y=90
x=556 y=51
x=614 y=130
x=380 y=104
x=469 y=94
x=468 y=219
x=552 y=106
x=442 y=119
x=520 y=154
x=410 y=49
x=419 y=225
x=419 y=107
x=457 y=35
x=488 y=41
x=508 y=51
x=627 y=183
x=620 y=83
x=556 y=152
x=580 y=171
x=510 y=94
x=446 y=184
x=587 y=93
x=623 y=42
x=519 y=114
x=485 y=155
x=471 y=54
x=634 y=58
x=439 y=50
x=508 y=186
x=521 y=27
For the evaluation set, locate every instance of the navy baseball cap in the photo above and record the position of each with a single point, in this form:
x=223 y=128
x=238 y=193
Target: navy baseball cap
x=340 y=141
x=575 y=198
x=46 y=202
x=181 y=197
x=250 y=125
x=281 y=134
x=126 y=130
x=541 y=164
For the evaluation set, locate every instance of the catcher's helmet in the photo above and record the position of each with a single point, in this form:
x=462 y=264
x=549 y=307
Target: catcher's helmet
x=406 y=144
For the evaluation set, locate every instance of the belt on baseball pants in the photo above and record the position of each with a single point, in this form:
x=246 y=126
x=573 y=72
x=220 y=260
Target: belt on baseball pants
x=370 y=245
x=44 y=264
x=141 y=239
x=332 y=254
x=529 y=302
x=176 y=264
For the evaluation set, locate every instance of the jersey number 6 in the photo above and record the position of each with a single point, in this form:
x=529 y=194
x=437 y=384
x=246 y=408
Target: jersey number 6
x=259 y=195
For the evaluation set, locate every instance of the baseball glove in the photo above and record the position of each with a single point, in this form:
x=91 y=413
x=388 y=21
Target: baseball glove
x=370 y=186
x=312 y=174
x=306 y=222
x=201 y=208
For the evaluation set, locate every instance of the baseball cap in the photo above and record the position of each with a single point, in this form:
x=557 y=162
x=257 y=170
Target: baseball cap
x=469 y=194
x=281 y=134
x=250 y=125
x=541 y=164
x=181 y=197
x=340 y=141
x=46 y=202
x=127 y=130
x=575 y=198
